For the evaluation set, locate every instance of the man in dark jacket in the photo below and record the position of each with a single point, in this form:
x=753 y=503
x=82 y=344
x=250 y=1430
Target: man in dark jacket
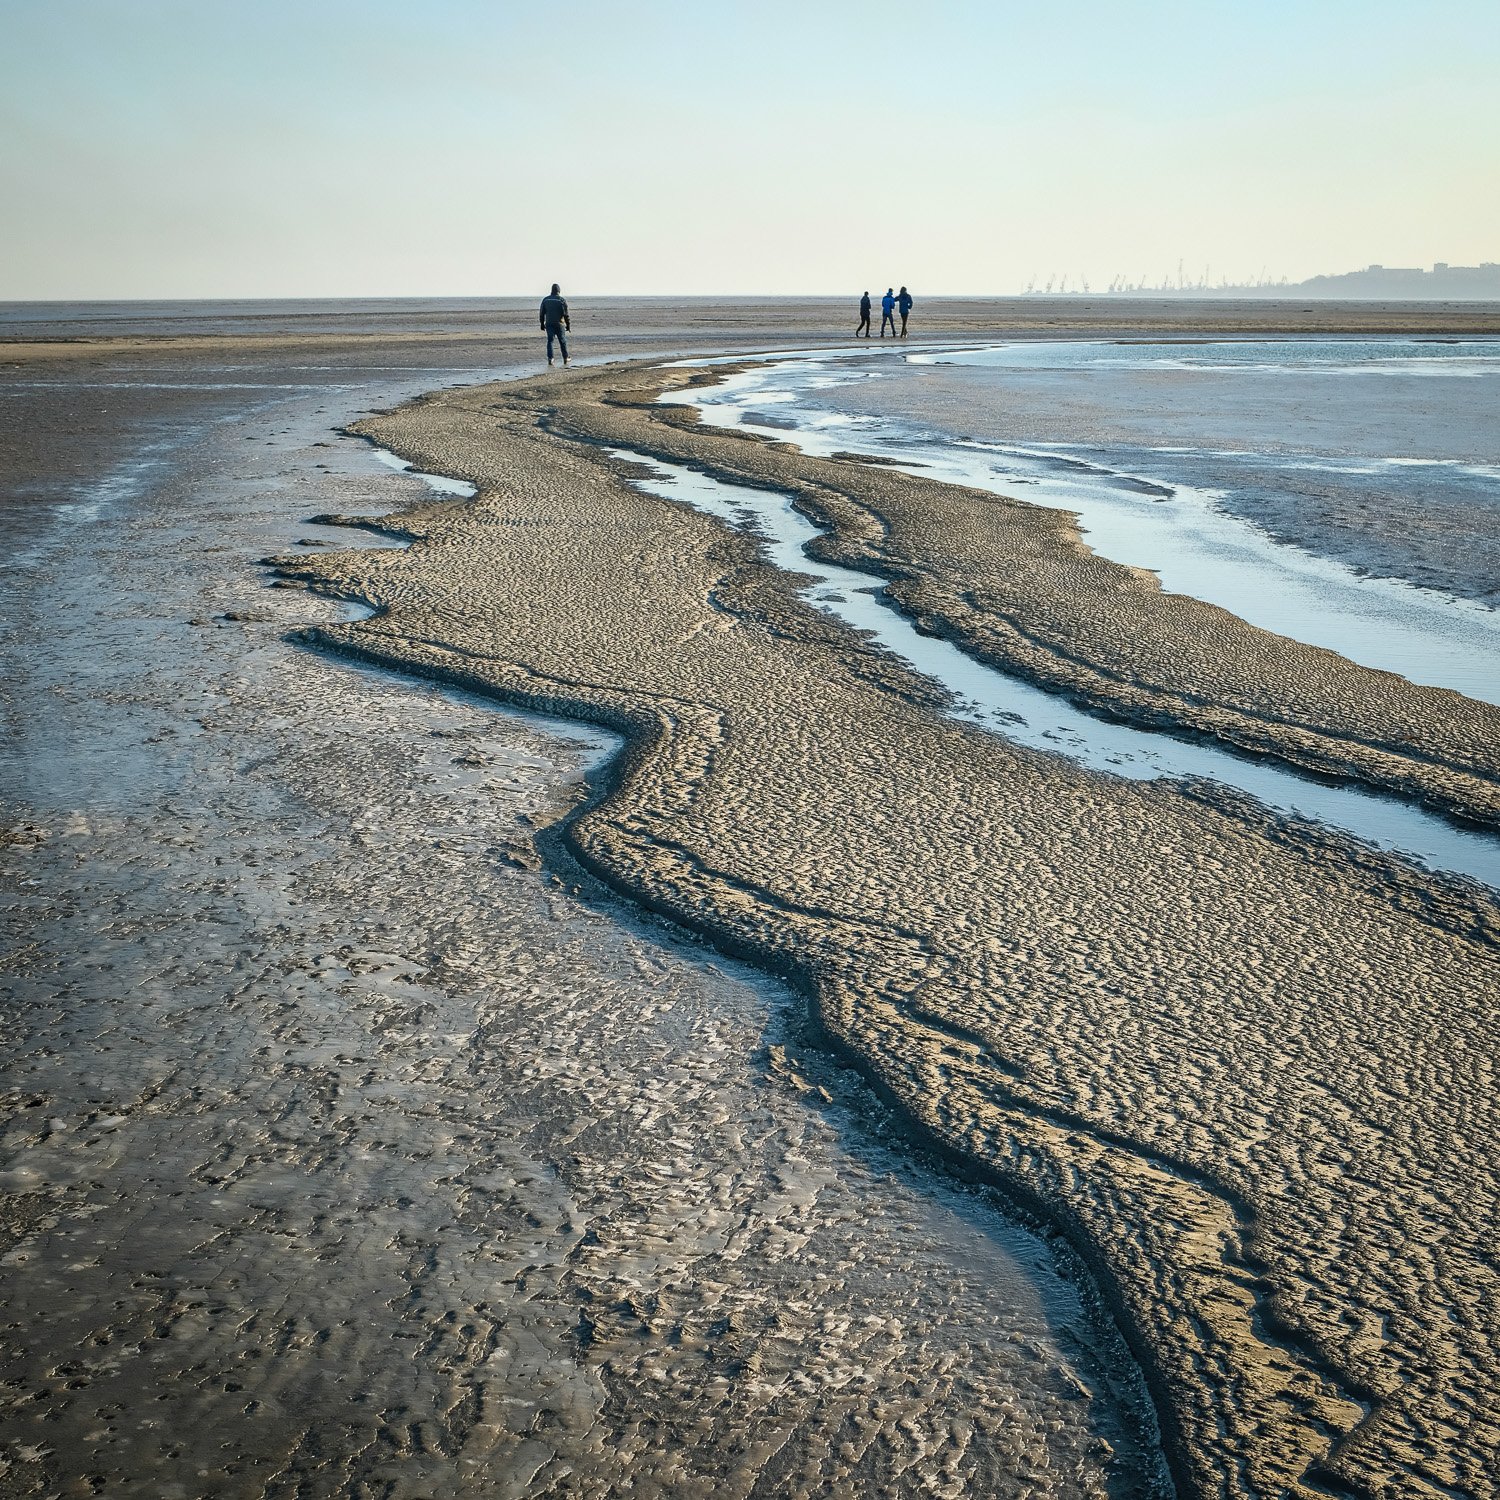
x=903 y=306
x=554 y=319
x=864 y=317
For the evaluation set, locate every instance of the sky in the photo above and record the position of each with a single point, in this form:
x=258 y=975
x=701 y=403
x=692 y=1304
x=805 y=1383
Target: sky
x=323 y=148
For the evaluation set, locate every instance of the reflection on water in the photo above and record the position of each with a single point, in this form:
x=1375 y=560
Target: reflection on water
x=1465 y=358
x=439 y=482
x=1139 y=510
x=1044 y=721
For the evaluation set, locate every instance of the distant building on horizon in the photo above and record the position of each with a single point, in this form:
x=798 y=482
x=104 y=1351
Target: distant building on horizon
x=1443 y=283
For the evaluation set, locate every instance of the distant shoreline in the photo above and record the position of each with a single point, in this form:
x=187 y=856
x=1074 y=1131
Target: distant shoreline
x=30 y=332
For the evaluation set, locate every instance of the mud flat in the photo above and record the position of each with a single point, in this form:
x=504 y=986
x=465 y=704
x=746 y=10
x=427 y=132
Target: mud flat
x=1247 y=1066
x=1017 y=586
x=355 y=1140
x=1395 y=548
x=1373 y=464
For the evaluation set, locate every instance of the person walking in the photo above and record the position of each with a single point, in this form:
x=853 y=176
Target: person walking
x=903 y=303
x=888 y=311
x=554 y=320
x=864 y=317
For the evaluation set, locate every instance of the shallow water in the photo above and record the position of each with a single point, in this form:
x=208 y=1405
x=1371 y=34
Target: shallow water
x=1439 y=358
x=437 y=482
x=1180 y=509
x=1045 y=721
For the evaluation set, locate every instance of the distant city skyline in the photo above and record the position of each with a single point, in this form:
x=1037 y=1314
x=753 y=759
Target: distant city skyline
x=1442 y=279
x=169 y=149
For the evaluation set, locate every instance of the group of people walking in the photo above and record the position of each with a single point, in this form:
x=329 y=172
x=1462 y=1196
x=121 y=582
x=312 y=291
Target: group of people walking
x=556 y=324
x=890 y=304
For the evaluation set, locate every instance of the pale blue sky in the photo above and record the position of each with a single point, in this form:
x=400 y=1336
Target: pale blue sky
x=367 y=147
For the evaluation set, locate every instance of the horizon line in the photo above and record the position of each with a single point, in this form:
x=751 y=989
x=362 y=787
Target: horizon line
x=1287 y=293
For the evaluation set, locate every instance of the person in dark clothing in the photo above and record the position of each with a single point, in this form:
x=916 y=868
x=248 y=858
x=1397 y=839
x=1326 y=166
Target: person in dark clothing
x=554 y=319
x=903 y=305
x=888 y=311
x=864 y=317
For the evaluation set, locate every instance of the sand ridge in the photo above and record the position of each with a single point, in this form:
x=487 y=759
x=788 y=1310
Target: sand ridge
x=1249 y=1073
x=1016 y=586
x=348 y=1148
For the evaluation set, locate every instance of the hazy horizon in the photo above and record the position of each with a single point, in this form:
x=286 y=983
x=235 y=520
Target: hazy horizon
x=164 y=150
x=525 y=301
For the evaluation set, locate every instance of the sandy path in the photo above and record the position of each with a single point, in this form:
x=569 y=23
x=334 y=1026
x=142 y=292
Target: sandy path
x=1249 y=1071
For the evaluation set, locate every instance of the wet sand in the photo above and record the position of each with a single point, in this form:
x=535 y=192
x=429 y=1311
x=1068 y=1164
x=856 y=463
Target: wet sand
x=358 y=1141
x=1427 y=533
x=1019 y=588
x=372 y=1149
x=1221 y=1053
x=393 y=322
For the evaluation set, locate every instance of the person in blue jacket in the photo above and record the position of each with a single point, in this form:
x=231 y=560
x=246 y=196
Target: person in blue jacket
x=903 y=304
x=553 y=320
x=888 y=311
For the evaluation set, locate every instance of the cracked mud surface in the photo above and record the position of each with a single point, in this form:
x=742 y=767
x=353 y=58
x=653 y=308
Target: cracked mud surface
x=357 y=1143
x=1249 y=1070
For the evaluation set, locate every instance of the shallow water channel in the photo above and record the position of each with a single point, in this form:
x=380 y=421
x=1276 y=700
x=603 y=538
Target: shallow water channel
x=1156 y=520
x=1044 y=721
x=439 y=482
